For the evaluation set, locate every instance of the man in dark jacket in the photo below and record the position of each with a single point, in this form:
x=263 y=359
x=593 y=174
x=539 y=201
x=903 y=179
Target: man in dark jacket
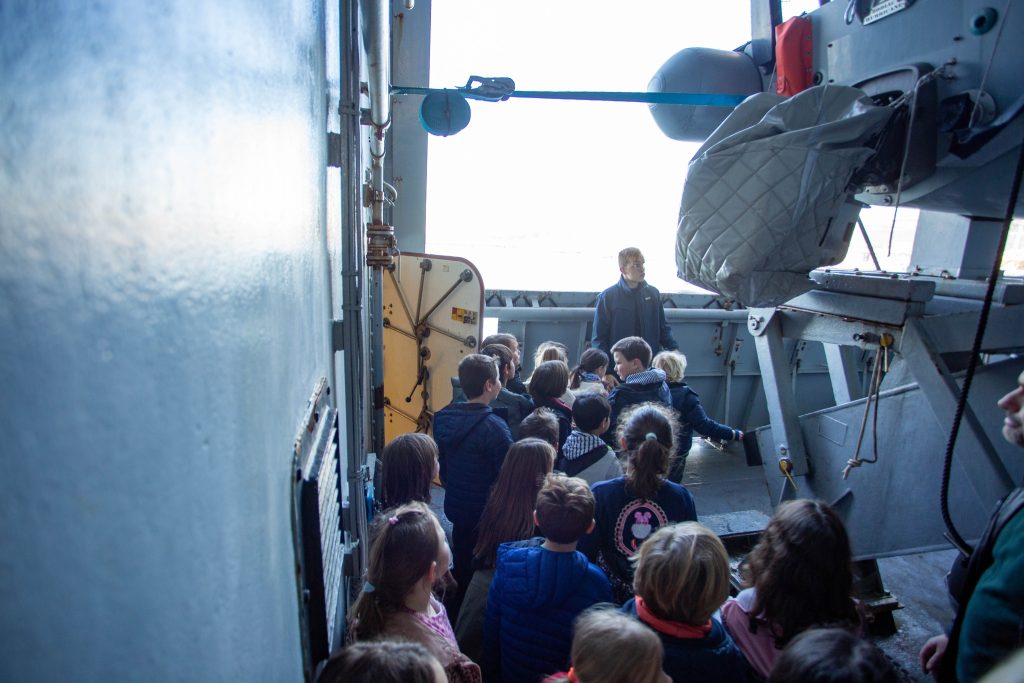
x=631 y=308
x=472 y=441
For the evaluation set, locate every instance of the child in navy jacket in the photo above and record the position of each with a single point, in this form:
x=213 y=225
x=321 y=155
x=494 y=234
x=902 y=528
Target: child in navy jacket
x=537 y=592
x=682 y=577
x=640 y=382
x=472 y=441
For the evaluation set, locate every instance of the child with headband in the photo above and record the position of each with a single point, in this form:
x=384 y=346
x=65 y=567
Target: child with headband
x=408 y=557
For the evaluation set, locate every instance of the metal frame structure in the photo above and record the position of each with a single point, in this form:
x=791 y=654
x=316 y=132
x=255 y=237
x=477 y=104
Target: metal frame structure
x=894 y=314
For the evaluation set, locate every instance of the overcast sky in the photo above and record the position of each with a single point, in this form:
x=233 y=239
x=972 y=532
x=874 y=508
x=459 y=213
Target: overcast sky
x=541 y=194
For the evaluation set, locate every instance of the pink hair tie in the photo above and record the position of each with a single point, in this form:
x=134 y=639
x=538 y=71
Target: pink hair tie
x=393 y=520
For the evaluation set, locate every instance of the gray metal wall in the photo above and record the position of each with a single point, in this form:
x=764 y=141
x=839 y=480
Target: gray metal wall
x=165 y=308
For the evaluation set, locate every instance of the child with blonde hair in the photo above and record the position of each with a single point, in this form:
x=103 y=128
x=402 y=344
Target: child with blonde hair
x=681 y=579
x=692 y=417
x=609 y=647
x=408 y=556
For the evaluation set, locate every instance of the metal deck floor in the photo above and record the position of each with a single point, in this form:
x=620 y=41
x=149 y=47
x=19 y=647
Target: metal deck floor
x=731 y=496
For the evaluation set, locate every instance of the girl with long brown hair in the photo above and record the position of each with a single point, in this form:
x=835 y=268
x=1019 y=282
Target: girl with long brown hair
x=408 y=556
x=409 y=466
x=800 y=575
x=632 y=507
x=508 y=516
x=548 y=384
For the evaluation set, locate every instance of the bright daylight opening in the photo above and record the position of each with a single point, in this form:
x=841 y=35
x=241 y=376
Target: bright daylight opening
x=542 y=194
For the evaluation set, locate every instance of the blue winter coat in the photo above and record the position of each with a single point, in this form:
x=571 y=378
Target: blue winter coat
x=615 y=317
x=693 y=418
x=534 y=598
x=711 y=659
x=472 y=441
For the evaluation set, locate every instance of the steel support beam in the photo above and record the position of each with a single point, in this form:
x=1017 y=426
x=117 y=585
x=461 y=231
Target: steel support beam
x=942 y=390
x=782 y=412
x=842 y=369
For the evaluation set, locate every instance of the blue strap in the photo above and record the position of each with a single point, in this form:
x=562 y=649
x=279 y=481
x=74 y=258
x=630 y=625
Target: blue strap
x=696 y=99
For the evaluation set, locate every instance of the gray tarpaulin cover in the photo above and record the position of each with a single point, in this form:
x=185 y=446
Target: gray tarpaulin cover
x=765 y=200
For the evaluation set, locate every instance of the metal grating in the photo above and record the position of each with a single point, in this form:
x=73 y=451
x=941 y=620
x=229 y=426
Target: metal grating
x=318 y=537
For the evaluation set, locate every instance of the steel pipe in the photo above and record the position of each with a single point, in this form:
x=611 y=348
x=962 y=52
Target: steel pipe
x=582 y=313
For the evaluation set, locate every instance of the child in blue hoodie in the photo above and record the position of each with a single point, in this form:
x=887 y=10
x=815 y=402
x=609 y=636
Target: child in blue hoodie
x=538 y=591
x=472 y=441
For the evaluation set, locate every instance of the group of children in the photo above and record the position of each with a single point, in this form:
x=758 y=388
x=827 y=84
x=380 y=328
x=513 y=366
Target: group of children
x=574 y=562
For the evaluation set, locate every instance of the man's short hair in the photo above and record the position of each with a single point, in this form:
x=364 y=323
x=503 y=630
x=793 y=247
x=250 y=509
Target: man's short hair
x=501 y=353
x=474 y=371
x=629 y=254
x=634 y=348
x=507 y=340
x=565 y=508
x=589 y=410
x=541 y=424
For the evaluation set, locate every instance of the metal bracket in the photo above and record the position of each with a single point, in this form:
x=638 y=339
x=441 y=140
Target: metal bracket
x=758 y=320
x=335 y=150
x=337 y=335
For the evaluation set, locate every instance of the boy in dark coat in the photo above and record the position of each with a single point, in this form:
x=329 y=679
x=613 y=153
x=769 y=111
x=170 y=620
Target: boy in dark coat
x=471 y=441
x=538 y=592
x=682 y=577
x=640 y=382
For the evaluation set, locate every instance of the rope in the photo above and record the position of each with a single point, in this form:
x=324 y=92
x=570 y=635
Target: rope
x=872 y=399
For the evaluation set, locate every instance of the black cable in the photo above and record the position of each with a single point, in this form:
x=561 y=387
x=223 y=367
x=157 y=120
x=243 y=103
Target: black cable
x=972 y=363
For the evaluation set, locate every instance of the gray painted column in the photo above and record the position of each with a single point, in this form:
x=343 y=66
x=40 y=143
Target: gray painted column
x=942 y=390
x=842 y=370
x=782 y=412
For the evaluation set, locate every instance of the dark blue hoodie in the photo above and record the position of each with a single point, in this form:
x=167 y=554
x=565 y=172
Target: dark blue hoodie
x=535 y=596
x=471 y=441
